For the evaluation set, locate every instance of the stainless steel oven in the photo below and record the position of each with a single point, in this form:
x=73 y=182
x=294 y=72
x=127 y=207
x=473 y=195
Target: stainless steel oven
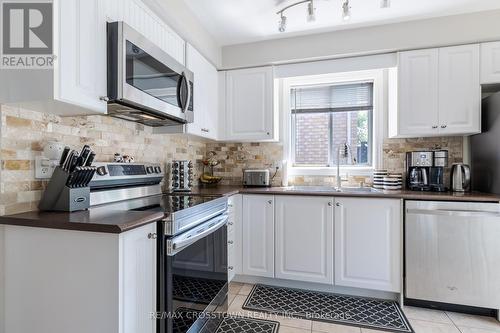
x=192 y=276
x=145 y=84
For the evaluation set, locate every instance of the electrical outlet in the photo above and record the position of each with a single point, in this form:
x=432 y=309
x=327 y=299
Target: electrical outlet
x=43 y=168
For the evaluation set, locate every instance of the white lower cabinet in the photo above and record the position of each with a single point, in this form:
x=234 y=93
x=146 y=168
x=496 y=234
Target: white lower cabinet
x=79 y=282
x=368 y=246
x=258 y=235
x=304 y=238
x=138 y=276
x=234 y=236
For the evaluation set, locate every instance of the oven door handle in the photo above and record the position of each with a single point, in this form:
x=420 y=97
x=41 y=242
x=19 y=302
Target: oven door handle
x=214 y=224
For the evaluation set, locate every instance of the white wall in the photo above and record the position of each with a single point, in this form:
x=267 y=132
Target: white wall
x=451 y=30
x=178 y=17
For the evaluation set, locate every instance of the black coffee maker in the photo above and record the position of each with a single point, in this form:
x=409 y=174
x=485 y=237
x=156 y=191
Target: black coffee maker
x=425 y=170
x=436 y=179
x=418 y=164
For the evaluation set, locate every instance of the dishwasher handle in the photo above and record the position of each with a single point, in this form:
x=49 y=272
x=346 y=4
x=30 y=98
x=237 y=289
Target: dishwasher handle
x=452 y=212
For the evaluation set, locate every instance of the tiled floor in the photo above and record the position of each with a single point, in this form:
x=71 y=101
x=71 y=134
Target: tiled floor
x=422 y=320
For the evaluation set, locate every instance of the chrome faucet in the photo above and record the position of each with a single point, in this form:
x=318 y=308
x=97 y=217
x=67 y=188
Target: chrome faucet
x=343 y=151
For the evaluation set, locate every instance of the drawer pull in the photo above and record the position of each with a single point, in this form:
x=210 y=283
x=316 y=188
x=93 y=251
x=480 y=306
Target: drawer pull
x=230 y=242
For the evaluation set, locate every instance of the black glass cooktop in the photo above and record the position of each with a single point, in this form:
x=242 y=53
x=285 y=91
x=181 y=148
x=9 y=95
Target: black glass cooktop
x=170 y=203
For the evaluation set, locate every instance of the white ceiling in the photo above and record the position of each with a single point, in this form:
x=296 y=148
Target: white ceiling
x=242 y=21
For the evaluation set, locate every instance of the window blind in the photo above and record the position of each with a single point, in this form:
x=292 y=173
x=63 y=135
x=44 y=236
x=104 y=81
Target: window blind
x=333 y=98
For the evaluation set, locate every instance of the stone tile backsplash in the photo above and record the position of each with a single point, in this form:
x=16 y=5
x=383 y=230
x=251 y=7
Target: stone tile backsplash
x=24 y=134
x=238 y=156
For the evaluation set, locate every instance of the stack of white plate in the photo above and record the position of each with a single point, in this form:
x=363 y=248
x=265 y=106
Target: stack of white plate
x=378 y=178
x=393 y=182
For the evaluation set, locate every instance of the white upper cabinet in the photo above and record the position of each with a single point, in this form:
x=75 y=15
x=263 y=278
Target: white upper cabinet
x=438 y=93
x=418 y=93
x=490 y=63
x=78 y=83
x=304 y=238
x=459 y=90
x=258 y=235
x=249 y=110
x=205 y=95
x=80 y=77
x=368 y=243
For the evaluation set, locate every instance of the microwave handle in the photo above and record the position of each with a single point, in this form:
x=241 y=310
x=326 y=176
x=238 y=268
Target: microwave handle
x=188 y=89
x=179 y=85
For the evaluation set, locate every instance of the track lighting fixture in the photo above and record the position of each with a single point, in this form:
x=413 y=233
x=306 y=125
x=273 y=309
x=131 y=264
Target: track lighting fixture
x=346 y=10
x=311 y=16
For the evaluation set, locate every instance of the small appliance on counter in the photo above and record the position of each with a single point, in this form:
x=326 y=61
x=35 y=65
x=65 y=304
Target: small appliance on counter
x=256 y=178
x=460 y=177
x=426 y=170
x=436 y=172
x=182 y=176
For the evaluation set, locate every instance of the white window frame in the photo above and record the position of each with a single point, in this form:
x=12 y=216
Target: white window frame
x=379 y=79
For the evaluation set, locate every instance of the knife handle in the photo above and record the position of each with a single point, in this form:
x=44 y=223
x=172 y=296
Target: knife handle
x=64 y=155
x=90 y=159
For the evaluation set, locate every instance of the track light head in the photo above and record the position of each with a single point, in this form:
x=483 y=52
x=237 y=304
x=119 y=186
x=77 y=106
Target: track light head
x=346 y=10
x=282 y=23
x=385 y=3
x=311 y=16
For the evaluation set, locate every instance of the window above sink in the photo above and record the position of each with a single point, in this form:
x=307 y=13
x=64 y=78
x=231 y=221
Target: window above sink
x=323 y=112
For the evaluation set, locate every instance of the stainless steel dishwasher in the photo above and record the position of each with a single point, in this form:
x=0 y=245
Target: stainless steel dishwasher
x=453 y=253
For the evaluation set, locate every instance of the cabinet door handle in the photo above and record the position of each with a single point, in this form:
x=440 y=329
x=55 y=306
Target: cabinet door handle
x=230 y=223
x=230 y=242
x=206 y=130
x=268 y=133
x=230 y=268
x=435 y=126
x=337 y=204
x=444 y=126
x=152 y=235
x=270 y=202
x=330 y=204
x=104 y=98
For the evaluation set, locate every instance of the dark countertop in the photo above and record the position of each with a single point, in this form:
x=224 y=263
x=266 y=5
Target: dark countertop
x=302 y=190
x=114 y=219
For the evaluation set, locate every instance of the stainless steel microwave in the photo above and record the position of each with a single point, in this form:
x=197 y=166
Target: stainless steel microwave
x=145 y=84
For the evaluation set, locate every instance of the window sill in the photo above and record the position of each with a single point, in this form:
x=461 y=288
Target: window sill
x=330 y=171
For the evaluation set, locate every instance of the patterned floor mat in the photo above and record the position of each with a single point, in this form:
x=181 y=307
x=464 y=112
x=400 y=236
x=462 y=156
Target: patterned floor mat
x=233 y=324
x=326 y=307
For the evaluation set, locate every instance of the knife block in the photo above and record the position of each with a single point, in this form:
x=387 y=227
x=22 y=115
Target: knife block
x=59 y=197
